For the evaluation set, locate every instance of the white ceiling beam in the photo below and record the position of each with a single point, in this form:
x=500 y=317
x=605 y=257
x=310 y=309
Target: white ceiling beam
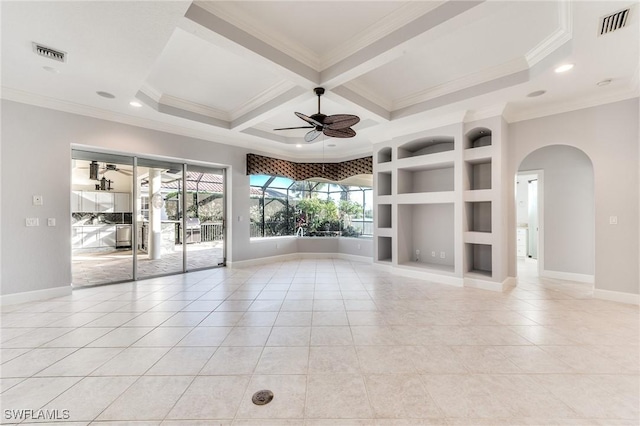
x=391 y=46
x=270 y=108
x=344 y=95
x=214 y=29
x=508 y=80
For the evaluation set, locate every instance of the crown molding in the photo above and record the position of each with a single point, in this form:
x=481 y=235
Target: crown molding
x=252 y=27
x=230 y=138
x=371 y=95
x=556 y=39
x=261 y=98
x=151 y=92
x=377 y=30
x=225 y=137
x=635 y=79
x=559 y=108
x=559 y=37
x=196 y=108
x=469 y=80
x=484 y=113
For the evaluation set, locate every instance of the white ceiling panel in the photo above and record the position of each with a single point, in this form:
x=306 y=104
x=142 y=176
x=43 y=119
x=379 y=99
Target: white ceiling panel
x=101 y=55
x=496 y=39
x=199 y=72
x=319 y=27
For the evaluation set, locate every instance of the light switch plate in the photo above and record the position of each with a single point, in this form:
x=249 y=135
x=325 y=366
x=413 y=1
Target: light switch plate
x=613 y=220
x=51 y=221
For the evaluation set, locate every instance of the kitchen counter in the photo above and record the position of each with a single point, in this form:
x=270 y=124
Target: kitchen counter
x=100 y=236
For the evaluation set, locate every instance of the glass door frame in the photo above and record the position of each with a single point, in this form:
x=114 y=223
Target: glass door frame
x=223 y=172
x=135 y=199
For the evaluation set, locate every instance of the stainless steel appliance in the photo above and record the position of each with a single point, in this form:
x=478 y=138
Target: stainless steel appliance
x=193 y=230
x=123 y=236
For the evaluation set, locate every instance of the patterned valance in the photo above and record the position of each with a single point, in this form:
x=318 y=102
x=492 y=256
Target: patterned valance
x=260 y=165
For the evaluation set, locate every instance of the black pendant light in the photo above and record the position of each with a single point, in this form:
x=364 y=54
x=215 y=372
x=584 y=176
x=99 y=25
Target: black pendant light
x=93 y=170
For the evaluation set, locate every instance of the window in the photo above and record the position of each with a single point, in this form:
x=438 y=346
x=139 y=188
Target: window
x=282 y=206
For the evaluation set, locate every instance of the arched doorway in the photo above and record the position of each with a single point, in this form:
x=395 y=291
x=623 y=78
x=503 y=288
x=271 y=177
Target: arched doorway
x=555 y=209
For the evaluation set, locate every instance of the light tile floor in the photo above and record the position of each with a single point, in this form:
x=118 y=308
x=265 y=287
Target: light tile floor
x=100 y=267
x=338 y=342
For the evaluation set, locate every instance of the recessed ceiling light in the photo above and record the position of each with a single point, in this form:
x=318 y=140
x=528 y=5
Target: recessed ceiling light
x=135 y=104
x=564 y=68
x=51 y=70
x=604 y=82
x=298 y=145
x=106 y=95
x=536 y=93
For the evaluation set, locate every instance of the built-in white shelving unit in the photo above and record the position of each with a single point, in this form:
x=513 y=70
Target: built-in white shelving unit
x=438 y=200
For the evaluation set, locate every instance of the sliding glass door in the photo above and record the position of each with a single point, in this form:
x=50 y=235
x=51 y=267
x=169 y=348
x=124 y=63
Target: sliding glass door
x=136 y=218
x=159 y=216
x=101 y=218
x=205 y=206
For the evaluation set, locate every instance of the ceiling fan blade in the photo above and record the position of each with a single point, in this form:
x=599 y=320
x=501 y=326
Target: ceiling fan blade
x=301 y=127
x=311 y=136
x=339 y=133
x=340 y=121
x=308 y=119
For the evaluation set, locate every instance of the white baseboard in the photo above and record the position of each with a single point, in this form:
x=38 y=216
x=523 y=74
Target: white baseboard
x=262 y=260
x=429 y=276
x=419 y=274
x=33 y=296
x=295 y=256
x=569 y=276
x=617 y=296
x=509 y=282
x=384 y=267
x=342 y=256
x=490 y=285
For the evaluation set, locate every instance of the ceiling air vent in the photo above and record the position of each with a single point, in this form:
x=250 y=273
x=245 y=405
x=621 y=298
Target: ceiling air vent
x=615 y=21
x=47 y=52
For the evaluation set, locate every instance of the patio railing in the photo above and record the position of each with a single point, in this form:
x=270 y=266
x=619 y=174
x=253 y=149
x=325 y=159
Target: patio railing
x=211 y=231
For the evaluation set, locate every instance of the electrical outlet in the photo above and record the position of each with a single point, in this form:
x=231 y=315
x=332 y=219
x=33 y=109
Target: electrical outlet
x=51 y=221
x=442 y=255
x=32 y=221
x=277 y=245
x=613 y=220
x=433 y=254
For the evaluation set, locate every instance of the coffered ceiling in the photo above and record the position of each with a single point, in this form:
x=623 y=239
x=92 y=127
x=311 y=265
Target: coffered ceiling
x=233 y=71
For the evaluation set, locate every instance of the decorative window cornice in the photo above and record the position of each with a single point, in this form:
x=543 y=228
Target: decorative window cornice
x=260 y=165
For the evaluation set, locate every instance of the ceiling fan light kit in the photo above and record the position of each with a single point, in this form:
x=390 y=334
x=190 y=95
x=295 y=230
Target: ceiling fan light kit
x=335 y=126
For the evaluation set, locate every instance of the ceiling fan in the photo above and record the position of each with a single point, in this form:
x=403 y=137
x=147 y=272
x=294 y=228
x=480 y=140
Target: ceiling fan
x=114 y=168
x=95 y=170
x=336 y=126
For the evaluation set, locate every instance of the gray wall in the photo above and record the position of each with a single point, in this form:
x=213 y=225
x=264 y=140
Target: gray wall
x=569 y=217
x=428 y=228
x=608 y=135
x=36 y=159
x=36 y=155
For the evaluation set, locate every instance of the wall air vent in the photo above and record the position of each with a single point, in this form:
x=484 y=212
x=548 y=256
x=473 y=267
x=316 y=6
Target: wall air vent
x=47 y=52
x=613 y=22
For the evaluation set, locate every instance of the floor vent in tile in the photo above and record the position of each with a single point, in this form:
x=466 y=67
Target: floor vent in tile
x=262 y=397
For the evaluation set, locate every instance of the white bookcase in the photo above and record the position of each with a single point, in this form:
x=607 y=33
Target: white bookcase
x=439 y=199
